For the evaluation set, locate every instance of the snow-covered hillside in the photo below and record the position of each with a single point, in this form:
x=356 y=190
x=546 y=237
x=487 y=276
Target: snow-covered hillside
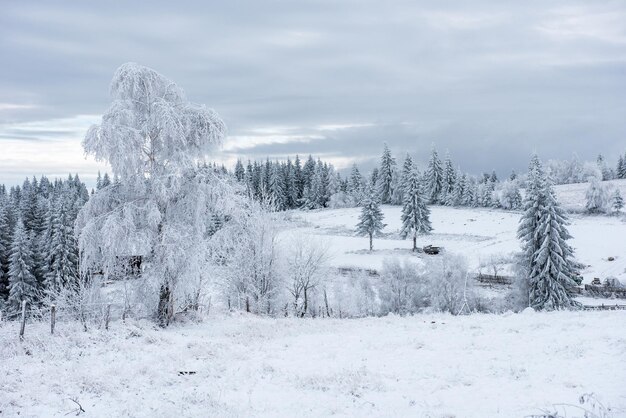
x=477 y=233
x=572 y=196
x=426 y=366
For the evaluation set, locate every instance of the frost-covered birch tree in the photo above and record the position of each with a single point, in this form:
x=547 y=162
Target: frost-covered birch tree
x=153 y=138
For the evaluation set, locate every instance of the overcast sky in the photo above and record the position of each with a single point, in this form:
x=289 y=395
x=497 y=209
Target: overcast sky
x=491 y=82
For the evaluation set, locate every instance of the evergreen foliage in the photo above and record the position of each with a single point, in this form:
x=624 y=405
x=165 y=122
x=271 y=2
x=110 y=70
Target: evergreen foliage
x=415 y=213
x=547 y=257
x=434 y=177
x=384 y=181
x=371 y=219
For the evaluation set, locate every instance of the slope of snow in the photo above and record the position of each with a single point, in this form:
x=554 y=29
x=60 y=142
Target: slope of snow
x=572 y=196
x=477 y=233
x=427 y=365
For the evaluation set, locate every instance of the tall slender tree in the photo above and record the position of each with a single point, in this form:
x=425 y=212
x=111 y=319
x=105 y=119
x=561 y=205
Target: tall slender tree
x=547 y=256
x=22 y=281
x=434 y=177
x=415 y=213
x=371 y=219
x=385 y=176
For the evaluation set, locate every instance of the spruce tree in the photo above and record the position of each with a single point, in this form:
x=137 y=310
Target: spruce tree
x=240 y=172
x=547 y=255
x=415 y=213
x=407 y=172
x=62 y=257
x=5 y=247
x=355 y=182
x=621 y=167
x=371 y=219
x=448 y=182
x=434 y=177
x=385 y=176
x=22 y=281
x=299 y=181
x=277 y=187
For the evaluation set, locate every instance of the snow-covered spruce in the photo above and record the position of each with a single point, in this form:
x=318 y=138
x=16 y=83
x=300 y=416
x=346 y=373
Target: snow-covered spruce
x=547 y=256
x=415 y=213
x=370 y=220
x=384 y=187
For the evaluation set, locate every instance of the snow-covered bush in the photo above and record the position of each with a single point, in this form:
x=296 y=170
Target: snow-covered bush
x=246 y=259
x=353 y=296
x=597 y=199
x=402 y=288
x=508 y=195
x=449 y=284
x=342 y=200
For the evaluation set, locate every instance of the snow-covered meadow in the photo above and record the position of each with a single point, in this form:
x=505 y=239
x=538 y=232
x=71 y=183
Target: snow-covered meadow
x=510 y=365
x=479 y=234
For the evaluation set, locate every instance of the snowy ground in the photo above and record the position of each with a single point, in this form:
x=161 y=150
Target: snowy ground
x=479 y=234
x=424 y=366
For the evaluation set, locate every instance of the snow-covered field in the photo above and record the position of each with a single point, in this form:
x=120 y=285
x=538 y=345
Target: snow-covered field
x=428 y=365
x=424 y=366
x=479 y=234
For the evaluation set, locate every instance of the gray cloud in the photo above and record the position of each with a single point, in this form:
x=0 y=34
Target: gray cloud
x=491 y=82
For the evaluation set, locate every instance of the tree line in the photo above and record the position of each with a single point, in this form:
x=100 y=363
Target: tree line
x=38 y=247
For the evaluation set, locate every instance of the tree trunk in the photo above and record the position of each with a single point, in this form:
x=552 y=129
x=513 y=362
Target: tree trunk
x=326 y=303
x=371 y=244
x=414 y=243
x=165 y=311
x=305 y=305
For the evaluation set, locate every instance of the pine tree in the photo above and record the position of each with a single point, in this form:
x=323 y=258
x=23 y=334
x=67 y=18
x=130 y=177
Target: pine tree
x=621 y=167
x=415 y=213
x=62 y=257
x=355 y=182
x=603 y=168
x=277 y=187
x=308 y=171
x=448 y=182
x=385 y=176
x=434 y=177
x=371 y=219
x=617 y=201
x=547 y=255
x=5 y=247
x=407 y=173
x=22 y=281
x=374 y=178
x=240 y=172
x=299 y=180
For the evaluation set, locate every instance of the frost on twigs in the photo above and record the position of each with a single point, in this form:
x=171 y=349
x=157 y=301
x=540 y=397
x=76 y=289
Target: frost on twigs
x=164 y=203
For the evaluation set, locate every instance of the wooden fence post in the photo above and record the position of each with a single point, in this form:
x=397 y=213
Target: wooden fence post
x=107 y=316
x=53 y=314
x=23 y=325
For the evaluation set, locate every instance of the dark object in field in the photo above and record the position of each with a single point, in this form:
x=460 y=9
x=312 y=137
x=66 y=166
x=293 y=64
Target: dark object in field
x=604 y=307
x=431 y=250
x=611 y=258
x=494 y=279
x=596 y=282
x=188 y=373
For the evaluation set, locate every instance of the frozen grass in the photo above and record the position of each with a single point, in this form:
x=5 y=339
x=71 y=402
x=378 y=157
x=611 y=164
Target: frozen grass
x=428 y=365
